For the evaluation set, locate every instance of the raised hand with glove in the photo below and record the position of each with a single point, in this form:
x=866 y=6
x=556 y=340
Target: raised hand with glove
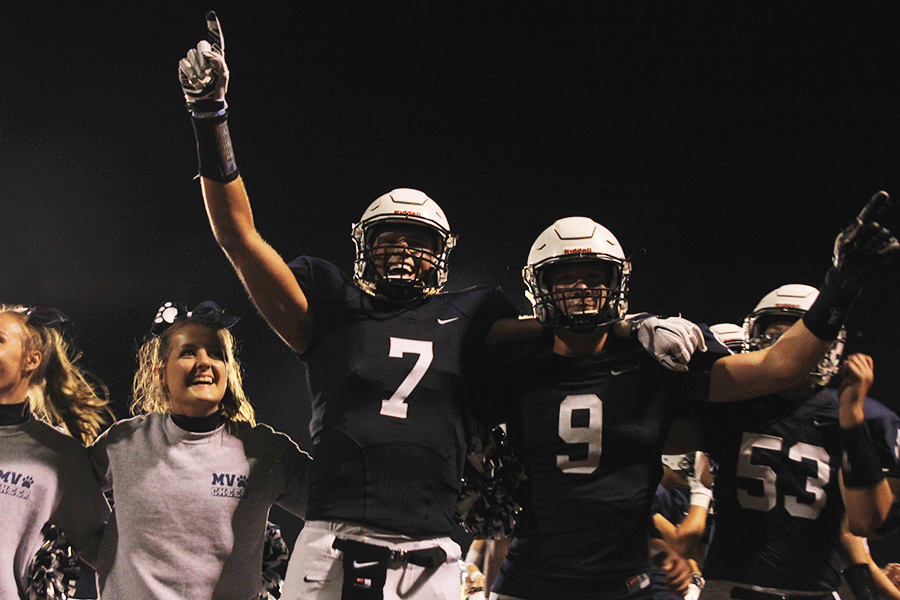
x=204 y=81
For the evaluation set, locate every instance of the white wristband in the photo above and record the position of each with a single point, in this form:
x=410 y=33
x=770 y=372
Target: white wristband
x=699 y=498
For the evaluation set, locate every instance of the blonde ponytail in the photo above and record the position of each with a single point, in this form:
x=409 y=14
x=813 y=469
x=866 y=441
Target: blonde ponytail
x=59 y=391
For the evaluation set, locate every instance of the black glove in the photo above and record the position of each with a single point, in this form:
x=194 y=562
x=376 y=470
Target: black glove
x=865 y=245
x=859 y=251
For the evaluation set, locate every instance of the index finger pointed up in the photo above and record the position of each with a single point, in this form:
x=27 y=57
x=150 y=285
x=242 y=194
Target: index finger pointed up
x=214 y=32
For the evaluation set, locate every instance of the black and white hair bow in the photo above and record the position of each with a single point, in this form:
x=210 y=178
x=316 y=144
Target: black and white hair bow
x=172 y=312
x=46 y=317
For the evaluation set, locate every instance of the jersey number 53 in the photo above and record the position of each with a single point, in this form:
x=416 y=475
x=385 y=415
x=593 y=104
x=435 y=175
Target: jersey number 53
x=765 y=497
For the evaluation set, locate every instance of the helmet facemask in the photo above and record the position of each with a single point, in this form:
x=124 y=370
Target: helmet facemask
x=580 y=305
x=402 y=244
x=594 y=293
x=761 y=319
x=403 y=261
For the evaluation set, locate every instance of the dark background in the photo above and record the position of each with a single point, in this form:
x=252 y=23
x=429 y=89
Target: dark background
x=731 y=144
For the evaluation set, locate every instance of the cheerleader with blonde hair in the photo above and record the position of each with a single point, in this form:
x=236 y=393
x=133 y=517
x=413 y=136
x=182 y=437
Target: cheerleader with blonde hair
x=193 y=475
x=48 y=411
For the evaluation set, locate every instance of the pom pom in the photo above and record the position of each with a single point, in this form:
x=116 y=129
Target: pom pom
x=54 y=571
x=487 y=507
x=274 y=565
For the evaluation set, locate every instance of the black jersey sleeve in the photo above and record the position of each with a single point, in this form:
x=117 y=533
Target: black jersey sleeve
x=884 y=427
x=319 y=280
x=329 y=292
x=494 y=306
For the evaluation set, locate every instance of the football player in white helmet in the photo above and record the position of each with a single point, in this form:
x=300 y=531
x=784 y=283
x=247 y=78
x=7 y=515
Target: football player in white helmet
x=587 y=413
x=777 y=312
x=785 y=535
x=384 y=348
x=577 y=281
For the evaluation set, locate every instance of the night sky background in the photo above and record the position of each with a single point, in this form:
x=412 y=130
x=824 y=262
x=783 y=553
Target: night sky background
x=725 y=148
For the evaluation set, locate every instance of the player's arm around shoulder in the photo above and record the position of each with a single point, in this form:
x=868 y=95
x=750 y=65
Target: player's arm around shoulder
x=782 y=366
x=509 y=329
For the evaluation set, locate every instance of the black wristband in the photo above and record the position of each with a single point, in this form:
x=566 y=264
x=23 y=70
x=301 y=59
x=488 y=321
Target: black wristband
x=827 y=314
x=859 y=579
x=214 y=152
x=860 y=463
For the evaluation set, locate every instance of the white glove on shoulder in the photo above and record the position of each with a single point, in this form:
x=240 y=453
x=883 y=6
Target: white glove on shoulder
x=672 y=341
x=203 y=72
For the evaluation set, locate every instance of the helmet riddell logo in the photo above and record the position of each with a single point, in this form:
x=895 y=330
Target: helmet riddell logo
x=408 y=212
x=577 y=251
x=788 y=305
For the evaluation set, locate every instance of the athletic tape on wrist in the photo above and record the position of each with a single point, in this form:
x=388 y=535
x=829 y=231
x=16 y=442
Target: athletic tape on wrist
x=700 y=499
x=828 y=313
x=860 y=463
x=214 y=152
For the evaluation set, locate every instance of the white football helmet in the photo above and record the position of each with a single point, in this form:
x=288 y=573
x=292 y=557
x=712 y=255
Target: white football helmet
x=576 y=240
x=790 y=302
x=730 y=335
x=409 y=209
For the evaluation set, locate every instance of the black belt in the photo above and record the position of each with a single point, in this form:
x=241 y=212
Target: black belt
x=430 y=558
x=741 y=593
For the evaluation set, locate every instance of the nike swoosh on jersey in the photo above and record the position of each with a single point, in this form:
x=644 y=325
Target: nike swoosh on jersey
x=363 y=565
x=615 y=372
x=445 y=321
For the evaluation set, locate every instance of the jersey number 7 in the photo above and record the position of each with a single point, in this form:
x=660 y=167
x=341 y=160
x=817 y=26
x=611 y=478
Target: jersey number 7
x=396 y=406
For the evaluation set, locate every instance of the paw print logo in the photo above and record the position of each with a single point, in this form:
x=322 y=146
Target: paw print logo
x=242 y=481
x=167 y=314
x=26 y=483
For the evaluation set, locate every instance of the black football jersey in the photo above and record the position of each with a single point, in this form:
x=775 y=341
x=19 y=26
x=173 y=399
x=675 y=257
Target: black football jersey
x=589 y=432
x=777 y=496
x=386 y=380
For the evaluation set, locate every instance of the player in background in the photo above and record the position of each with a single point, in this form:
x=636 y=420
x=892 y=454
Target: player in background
x=729 y=335
x=48 y=411
x=778 y=492
x=193 y=476
x=681 y=513
x=587 y=413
